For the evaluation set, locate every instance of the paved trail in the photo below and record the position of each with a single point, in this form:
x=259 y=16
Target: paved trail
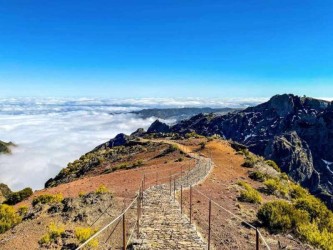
x=162 y=224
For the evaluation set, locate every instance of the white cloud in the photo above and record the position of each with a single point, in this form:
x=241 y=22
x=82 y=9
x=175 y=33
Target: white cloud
x=48 y=142
x=52 y=132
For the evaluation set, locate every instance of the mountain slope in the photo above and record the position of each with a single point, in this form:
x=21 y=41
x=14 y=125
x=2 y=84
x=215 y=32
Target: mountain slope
x=296 y=132
x=5 y=147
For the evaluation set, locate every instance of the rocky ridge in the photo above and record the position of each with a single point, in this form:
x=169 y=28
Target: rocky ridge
x=294 y=131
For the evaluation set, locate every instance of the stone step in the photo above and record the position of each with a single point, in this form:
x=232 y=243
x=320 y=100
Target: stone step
x=162 y=225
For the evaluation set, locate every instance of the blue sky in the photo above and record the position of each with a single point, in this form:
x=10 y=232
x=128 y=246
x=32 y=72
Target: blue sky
x=160 y=48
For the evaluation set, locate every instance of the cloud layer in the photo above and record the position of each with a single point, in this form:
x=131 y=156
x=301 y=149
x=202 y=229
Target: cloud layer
x=52 y=132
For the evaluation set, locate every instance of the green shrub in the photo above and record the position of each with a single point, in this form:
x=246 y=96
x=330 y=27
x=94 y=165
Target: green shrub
x=311 y=234
x=296 y=191
x=202 y=145
x=54 y=232
x=22 y=210
x=83 y=234
x=273 y=165
x=193 y=135
x=250 y=161
x=281 y=216
x=272 y=185
x=8 y=218
x=249 y=194
x=138 y=163
x=171 y=148
x=276 y=186
x=317 y=211
x=47 y=198
x=257 y=176
x=19 y=196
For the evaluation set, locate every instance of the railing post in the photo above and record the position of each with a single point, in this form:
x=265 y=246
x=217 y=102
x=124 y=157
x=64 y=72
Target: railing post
x=138 y=214
x=170 y=183
x=181 y=173
x=144 y=182
x=181 y=199
x=124 y=232
x=156 y=178
x=257 y=239
x=174 y=188
x=142 y=190
x=191 y=204
x=209 y=223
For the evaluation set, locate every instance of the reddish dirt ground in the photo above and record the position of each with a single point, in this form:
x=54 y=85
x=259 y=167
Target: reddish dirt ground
x=123 y=185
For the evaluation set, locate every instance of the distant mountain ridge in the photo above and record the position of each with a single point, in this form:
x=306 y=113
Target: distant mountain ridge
x=180 y=113
x=296 y=132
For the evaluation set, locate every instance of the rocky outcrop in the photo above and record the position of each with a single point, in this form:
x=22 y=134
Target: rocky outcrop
x=119 y=140
x=293 y=155
x=158 y=127
x=296 y=132
x=5 y=147
x=139 y=132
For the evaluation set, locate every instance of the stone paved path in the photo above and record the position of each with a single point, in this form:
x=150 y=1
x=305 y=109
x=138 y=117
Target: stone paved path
x=162 y=225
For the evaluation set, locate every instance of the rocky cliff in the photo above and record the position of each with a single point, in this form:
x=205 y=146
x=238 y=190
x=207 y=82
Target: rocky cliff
x=296 y=132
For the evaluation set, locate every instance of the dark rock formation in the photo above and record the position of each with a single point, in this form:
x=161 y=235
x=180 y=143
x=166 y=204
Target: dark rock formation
x=296 y=132
x=158 y=127
x=139 y=132
x=5 y=147
x=119 y=140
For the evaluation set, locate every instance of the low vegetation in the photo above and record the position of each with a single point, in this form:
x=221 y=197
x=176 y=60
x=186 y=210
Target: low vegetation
x=102 y=189
x=277 y=186
x=273 y=165
x=193 y=135
x=22 y=210
x=294 y=210
x=16 y=197
x=47 y=199
x=249 y=194
x=258 y=176
x=96 y=158
x=54 y=232
x=202 y=145
x=250 y=160
x=83 y=234
x=8 y=217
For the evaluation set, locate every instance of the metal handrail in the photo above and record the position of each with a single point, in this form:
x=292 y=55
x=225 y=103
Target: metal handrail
x=113 y=221
x=231 y=213
x=173 y=176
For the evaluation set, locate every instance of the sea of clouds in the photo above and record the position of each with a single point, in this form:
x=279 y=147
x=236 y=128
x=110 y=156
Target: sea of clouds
x=51 y=132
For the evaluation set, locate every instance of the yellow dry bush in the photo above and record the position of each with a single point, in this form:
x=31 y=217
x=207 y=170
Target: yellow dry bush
x=102 y=189
x=47 y=198
x=54 y=231
x=83 y=234
x=249 y=194
x=8 y=218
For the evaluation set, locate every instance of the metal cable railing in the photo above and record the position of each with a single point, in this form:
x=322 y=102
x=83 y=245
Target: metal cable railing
x=146 y=183
x=177 y=182
x=208 y=225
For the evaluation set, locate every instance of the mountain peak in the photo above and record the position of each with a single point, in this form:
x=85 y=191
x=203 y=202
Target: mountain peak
x=284 y=104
